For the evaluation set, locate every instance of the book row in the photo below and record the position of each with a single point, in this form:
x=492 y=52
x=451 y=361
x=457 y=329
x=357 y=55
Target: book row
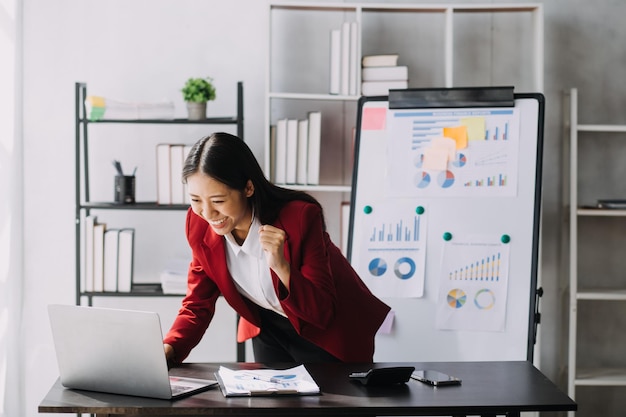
x=343 y=59
x=380 y=73
x=170 y=160
x=295 y=150
x=109 y=254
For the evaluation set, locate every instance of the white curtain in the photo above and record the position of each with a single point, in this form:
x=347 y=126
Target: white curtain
x=11 y=381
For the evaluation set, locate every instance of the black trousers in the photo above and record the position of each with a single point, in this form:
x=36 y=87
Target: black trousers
x=279 y=342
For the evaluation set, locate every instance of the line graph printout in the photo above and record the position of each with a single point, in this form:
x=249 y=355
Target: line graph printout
x=473 y=284
x=393 y=249
x=453 y=152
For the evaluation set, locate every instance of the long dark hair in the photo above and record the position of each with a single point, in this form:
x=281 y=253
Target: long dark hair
x=227 y=159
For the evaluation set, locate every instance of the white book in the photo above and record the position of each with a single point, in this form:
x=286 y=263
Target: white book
x=164 y=191
x=292 y=150
x=335 y=61
x=111 y=237
x=177 y=157
x=303 y=151
x=281 y=151
x=354 y=65
x=186 y=150
x=344 y=83
x=387 y=60
x=344 y=223
x=397 y=73
x=272 y=167
x=125 y=261
x=90 y=222
x=315 y=139
x=98 y=257
x=381 y=88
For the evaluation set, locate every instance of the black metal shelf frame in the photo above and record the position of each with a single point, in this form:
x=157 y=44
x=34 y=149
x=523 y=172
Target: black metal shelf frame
x=83 y=204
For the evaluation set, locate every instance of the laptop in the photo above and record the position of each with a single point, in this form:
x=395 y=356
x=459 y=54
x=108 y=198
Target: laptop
x=115 y=351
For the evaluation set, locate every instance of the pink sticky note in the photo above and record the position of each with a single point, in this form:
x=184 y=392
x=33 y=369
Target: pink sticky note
x=387 y=325
x=374 y=118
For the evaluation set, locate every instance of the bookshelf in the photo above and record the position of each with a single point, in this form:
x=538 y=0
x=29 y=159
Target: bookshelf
x=298 y=66
x=597 y=292
x=84 y=204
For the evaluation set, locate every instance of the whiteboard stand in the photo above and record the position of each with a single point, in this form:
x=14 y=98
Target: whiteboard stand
x=486 y=191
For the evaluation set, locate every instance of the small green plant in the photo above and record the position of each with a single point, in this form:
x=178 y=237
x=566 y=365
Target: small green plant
x=199 y=90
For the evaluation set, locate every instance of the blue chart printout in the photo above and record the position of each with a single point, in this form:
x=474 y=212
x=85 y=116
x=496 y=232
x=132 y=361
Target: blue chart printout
x=473 y=284
x=393 y=249
x=453 y=152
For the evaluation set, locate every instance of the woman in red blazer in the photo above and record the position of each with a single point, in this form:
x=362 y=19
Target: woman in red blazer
x=265 y=249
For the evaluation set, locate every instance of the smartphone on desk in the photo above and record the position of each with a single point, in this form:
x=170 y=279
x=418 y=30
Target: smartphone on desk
x=435 y=378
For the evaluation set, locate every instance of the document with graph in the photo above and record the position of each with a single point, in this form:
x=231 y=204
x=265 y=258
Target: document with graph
x=253 y=382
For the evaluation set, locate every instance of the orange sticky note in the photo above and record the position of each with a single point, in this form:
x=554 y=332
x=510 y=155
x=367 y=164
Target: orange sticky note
x=458 y=133
x=374 y=118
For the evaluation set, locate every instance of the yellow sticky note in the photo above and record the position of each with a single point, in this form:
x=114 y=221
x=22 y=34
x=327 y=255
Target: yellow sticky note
x=436 y=159
x=475 y=127
x=458 y=133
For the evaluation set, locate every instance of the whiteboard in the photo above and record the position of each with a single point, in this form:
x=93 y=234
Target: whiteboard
x=424 y=233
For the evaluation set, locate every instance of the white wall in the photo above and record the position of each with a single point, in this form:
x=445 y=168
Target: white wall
x=11 y=192
x=135 y=51
x=143 y=50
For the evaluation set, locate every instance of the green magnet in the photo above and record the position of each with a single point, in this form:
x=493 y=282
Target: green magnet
x=505 y=239
x=419 y=210
x=367 y=209
x=447 y=236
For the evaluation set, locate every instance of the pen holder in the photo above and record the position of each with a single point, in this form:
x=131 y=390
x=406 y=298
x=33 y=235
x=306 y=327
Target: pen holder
x=124 y=192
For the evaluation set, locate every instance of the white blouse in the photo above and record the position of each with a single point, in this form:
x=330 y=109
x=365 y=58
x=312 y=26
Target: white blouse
x=249 y=269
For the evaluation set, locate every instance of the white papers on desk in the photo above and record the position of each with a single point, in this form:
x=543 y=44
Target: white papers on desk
x=174 y=276
x=253 y=382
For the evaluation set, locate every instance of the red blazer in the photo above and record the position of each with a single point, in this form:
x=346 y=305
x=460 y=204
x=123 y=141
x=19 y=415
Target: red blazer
x=327 y=302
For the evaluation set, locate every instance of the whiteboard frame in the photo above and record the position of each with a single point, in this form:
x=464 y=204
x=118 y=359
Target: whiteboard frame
x=516 y=342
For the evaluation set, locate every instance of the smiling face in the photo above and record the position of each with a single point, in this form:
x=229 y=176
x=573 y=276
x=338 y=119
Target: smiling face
x=224 y=208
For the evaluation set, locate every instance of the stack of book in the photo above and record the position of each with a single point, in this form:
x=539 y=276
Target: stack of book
x=295 y=150
x=381 y=73
x=343 y=59
x=109 y=256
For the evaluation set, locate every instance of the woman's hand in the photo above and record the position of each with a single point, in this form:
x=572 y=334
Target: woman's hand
x=170 y=355
x=273 y=243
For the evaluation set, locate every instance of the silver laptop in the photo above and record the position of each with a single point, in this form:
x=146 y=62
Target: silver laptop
x=115 y=351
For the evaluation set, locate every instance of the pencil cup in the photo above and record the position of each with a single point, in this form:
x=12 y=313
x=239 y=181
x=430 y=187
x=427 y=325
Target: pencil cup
x=124 y=189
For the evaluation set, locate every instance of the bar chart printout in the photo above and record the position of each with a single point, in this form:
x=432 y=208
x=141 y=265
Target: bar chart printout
x=482 y=159
x=392 y=256
x=473 y=284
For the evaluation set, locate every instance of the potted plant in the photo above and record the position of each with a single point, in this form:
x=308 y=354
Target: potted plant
x=196 y=93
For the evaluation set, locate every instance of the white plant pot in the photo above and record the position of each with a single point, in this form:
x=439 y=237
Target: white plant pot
x=196 y=111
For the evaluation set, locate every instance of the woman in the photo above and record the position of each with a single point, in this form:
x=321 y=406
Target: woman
x=266 y=251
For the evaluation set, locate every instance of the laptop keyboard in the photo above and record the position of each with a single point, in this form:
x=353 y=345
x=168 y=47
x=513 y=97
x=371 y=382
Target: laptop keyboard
x=177 y=389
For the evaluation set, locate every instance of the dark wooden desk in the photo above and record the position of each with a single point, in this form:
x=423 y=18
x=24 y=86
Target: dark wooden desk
x=488 y=389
